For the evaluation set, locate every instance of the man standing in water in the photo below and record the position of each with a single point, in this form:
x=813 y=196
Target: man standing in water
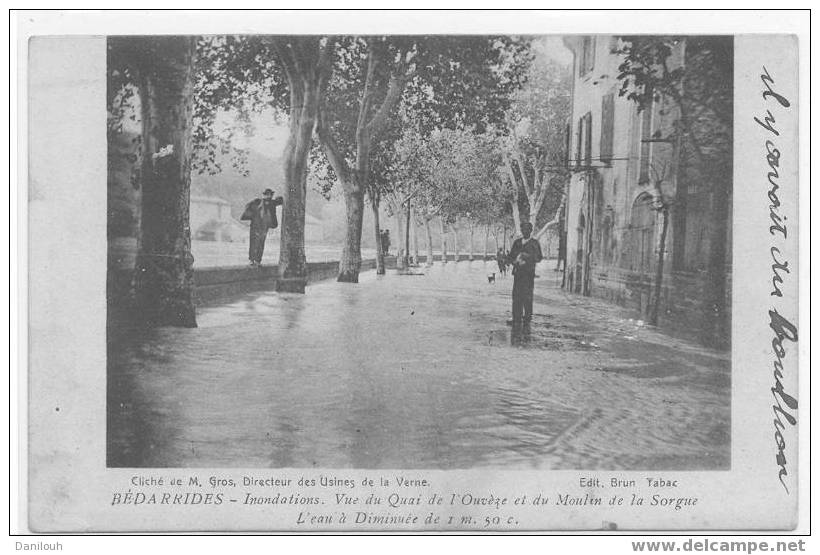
x=524 y=254
x=262 y=214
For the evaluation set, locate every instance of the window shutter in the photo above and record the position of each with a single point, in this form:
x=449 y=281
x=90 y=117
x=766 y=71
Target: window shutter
x=646 y=136
x=568 y=142
x=607 y=127
x=588 y=140
x=579 y=142
x=587 y=55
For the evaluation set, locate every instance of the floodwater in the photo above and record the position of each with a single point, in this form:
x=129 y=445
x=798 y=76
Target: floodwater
x=416 y=371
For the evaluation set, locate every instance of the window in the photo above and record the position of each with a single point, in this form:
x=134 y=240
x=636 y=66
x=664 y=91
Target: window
x=607 y=127
x=583 y=153
x=587 y=61
x=646 y=145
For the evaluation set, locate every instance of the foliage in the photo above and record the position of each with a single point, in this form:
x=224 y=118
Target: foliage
x=694 y=75
x=645 y=71
x=237 y=77
x=443 y=82
x=535 y=147
x=453 y=174
x=539 y=112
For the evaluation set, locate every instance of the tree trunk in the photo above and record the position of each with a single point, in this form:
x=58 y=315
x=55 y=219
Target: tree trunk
x=486 y=239
x=357 y=178
x=415 y=238
x=429 y=241
x=516 y=217
x=399 y=236
x=517 y=196
x=653 y=316
x=374 y=207
x=443 y=242
x=163 y=280
x=351 y=261
x=307 y=67
x=406 y=257
x=292 y=259
x=455 y=242
x=470 y=251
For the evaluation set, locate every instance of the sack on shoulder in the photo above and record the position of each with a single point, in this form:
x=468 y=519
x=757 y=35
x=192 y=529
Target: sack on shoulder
x=249 y=210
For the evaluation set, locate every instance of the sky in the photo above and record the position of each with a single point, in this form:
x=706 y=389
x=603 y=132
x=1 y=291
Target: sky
x=553 y=46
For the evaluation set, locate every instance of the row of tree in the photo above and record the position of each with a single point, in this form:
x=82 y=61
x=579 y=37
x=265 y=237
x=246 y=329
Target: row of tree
x=463 y=129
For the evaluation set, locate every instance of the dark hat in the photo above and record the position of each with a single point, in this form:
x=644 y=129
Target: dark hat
x=267 y=192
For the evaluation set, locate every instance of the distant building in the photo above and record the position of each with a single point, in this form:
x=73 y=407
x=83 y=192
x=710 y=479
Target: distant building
x=620 y=161
x=211 y=220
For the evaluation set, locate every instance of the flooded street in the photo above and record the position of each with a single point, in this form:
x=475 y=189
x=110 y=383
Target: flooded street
x=417 y=371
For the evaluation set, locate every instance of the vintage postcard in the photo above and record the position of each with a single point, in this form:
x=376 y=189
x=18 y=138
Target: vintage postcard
x=514 y=272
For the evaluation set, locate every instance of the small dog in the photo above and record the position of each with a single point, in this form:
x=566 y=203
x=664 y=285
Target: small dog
x=491 y=278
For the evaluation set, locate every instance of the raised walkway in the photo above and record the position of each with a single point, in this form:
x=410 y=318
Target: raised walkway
x=215 y=283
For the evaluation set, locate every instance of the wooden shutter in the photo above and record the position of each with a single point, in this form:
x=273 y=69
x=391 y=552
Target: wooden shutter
x=568 y=142
x=646 y=136
x=607 y=127
x=579 y=142
x=588 y=139
x=587 y=56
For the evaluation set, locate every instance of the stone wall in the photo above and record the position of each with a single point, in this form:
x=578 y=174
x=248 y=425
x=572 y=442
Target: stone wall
x=614 y=227
x=683 y=307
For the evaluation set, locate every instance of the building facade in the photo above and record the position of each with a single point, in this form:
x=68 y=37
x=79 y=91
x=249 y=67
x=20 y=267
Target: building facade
x=648 y=218
x=211 y=220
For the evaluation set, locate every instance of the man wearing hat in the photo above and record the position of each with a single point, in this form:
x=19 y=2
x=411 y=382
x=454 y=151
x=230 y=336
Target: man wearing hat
x=524 y=254
x=262 y=214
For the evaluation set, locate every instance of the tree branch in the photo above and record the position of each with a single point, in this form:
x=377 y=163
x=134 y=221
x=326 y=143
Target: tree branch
x=511 y=176
x=333 y=152
x=394 y=91
x=527 y=184
x=296 y=50
x=324 y=66
x=284 y=53
x=364 y=106
x=555 y=220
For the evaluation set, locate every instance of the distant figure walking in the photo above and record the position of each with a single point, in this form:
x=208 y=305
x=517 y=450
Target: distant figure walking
x=501 y=259
x=525 y=254
x=385 y=237
x=262 y=214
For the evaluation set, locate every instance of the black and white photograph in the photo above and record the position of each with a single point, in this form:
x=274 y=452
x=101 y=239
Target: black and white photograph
x=420 y=251
x=379 y=271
